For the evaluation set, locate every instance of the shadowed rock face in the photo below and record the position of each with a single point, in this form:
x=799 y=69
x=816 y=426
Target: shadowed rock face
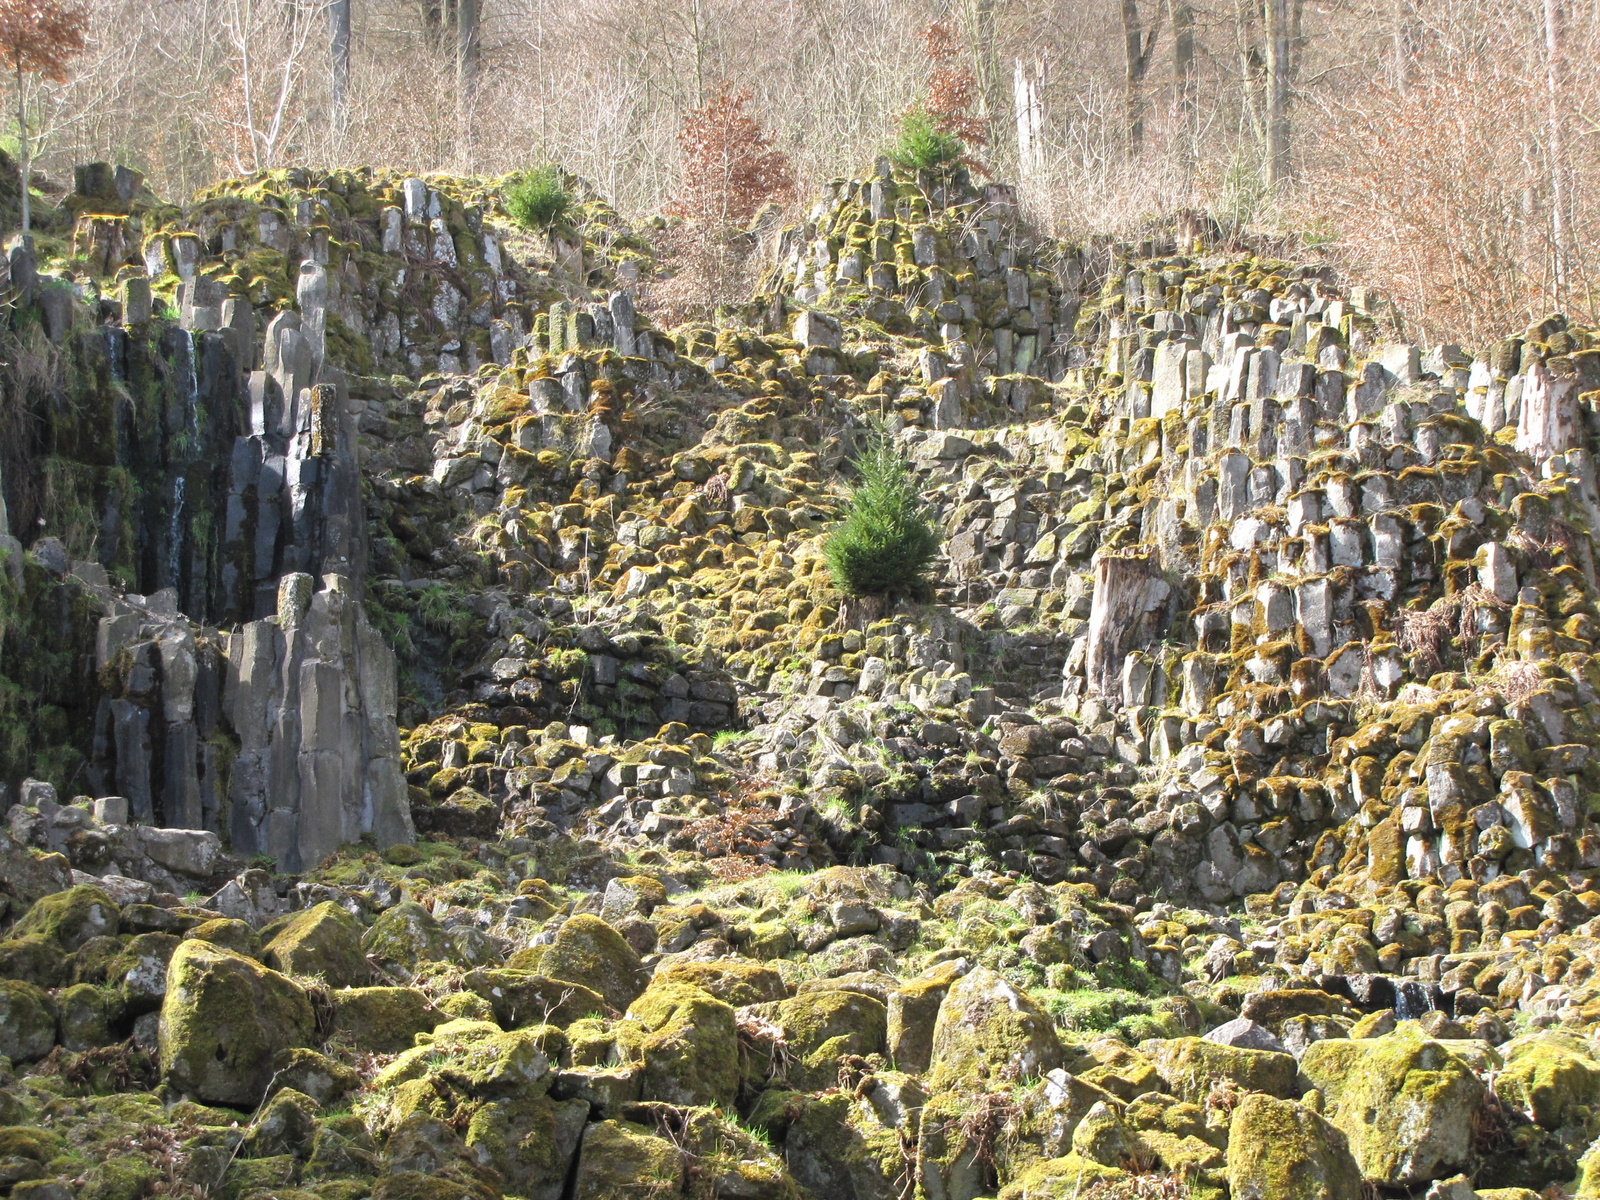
x=437 y=748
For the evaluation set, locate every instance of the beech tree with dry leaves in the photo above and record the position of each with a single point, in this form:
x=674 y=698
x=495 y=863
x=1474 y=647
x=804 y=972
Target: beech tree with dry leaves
x=39 y=37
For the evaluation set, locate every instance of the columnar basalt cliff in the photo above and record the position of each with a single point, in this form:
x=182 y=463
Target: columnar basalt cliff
x=439 y=762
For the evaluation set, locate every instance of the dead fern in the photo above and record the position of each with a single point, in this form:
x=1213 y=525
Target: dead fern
x=982 y=1124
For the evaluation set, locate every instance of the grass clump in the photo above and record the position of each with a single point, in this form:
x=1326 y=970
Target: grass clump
x=885 y=545
x=539 y=199
x=921 y=145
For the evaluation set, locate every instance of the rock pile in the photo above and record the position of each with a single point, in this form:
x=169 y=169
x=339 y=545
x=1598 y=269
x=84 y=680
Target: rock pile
x=452 y=770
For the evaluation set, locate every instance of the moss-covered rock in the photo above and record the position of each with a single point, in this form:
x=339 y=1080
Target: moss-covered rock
x=1406 y=1103
x=589 y=952
x=1280 y=1150
x=285 y=1126
x=234 y=935
x=688 y=1041
x=139 y=973
x=1550 y=1076
x=530 y=1141
x=88 y=1015
x=324 y=941
x=623 y=1161
x=342 y=1146
x=120 y=1178
x=478 y=1057
x=913 y=1013
x=1063 y=1178
x=1191 y=1065
x=989 y=1031
x=735 y=981
x=27 y=1021
x=836 y=1146
x=404 y=936
x=382 y=1020
x=72 y=917
x=316 y=1075
x=224 y=1021
x=270 y=1175
x=518 y=997
x=34 y=959
x=820 y=1028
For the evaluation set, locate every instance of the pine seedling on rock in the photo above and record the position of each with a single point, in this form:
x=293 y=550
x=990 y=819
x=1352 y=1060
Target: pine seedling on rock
x=885 y=546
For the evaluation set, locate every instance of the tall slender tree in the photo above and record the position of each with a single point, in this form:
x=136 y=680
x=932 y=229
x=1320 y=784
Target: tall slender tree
x=339 y=46
x=39 y=37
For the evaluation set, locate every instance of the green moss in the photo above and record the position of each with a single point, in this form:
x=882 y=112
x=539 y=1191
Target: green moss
x=122 y=1178
x=623 y=1161
x=521 y=997
x=1406 y=1103
x=1551 y=1077
x=589 y=952
x=324 y=941
x=382 y=1020
x=834 y=1148
x=1281 y=1149
x=1061 y=1178
x=404 y=937
x=1191 y=1065
x=688 y=1041
x=223 y=1023
x=820 y=1028
x=72 y=917
x=988 y=1030
x=27 y=1021
x=735 y=981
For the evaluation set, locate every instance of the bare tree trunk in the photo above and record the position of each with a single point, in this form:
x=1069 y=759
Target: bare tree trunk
x=1559 y=234
x=22 y=134
x=1550 y=421
x=1279 y=66
x=1183 y=82
x=1028 y=86
x=339 y=19
x=467 y=47
x=1137 y=45
x=1121 y=591
x=1250 y=65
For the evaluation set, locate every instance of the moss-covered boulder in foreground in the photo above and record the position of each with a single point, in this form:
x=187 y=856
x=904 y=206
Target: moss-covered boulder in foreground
x=623 y=1161
x=1280 y=1150
x=1406 y=1102
x=1550 y=1076
x=382 y=1020
x=324 y=941
x=72 y=917
x=1191 y=1065
x=688 y=1041
x=223 y=1023
x=820 y=1028
x=405 y=936
x=735 y=981
x=988 y=1030
x=589 y=952
x=835 y=1147
x=27 y=1021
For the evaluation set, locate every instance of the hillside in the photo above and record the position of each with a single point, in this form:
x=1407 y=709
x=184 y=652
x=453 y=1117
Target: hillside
x=440 y=762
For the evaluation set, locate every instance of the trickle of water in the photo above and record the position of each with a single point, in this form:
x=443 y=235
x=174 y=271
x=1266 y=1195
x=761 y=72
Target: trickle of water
x=1412 y=999
x=113 y=337
x=175 y=536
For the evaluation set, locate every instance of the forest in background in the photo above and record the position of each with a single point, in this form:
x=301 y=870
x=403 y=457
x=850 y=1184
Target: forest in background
x=1447 y=152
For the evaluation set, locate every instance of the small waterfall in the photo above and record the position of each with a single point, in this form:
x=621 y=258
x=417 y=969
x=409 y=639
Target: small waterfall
x=1413 y=999
x=175 y=533
x=114 y=337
